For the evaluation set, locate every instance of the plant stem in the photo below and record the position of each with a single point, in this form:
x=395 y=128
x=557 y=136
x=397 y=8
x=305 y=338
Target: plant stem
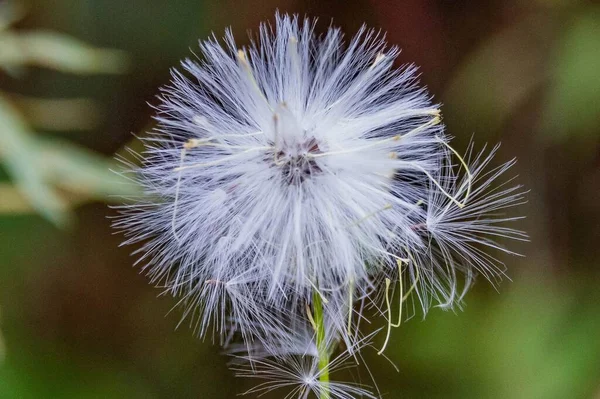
x=321 y=346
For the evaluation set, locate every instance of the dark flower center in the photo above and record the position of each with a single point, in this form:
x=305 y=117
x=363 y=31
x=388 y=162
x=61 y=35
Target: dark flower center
x=296 y=163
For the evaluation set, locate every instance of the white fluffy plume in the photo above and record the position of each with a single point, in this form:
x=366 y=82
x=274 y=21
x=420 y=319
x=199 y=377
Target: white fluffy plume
x=300 y=167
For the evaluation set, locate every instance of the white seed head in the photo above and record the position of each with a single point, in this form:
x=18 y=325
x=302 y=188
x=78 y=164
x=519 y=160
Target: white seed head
x=301 y=166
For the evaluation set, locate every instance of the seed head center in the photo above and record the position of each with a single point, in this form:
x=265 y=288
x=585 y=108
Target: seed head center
x=295 y=162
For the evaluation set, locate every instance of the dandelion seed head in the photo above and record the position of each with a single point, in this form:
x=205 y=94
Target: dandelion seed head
x=302 y=167
x=272 y=156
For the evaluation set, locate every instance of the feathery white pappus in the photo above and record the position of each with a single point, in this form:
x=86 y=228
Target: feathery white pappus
x=293 y=178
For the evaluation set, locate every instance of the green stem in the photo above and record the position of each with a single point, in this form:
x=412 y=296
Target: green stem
x=321 y=346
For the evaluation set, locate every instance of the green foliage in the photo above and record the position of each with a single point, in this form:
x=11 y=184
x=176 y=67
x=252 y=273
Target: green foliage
x=21 y=162
x=573 y=106
x=50 y=176
x=534 y=340
x=508 y=70
x=56 y=51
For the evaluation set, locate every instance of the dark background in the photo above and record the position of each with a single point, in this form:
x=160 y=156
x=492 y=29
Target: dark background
x=78 y=321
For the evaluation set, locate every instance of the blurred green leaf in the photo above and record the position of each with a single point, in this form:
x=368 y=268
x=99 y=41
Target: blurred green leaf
x=35 y=166
x=573 y=108
x=21 y=162
x=75 y=113
x=57 y=51
x=81 y=171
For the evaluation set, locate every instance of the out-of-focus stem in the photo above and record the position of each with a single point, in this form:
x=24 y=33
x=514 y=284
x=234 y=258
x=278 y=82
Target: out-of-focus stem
x=321 y=346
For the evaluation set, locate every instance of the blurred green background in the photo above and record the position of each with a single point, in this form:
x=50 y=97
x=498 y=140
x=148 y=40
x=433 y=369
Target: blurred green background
x=78 y=321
